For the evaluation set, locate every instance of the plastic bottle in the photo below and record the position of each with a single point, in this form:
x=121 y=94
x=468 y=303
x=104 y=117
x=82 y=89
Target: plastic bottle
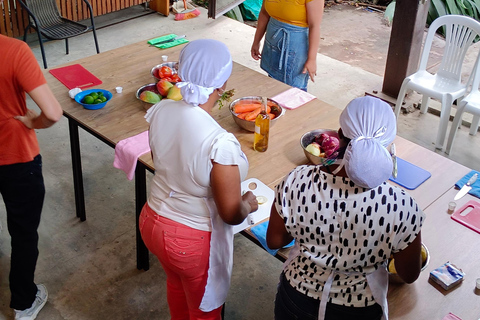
x=262 y=128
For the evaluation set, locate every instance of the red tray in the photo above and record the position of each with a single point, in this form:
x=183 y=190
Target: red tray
x=75 y=76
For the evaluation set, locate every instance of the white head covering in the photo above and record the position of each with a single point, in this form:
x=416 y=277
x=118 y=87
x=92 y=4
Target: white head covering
x=204 y=65
x=371 y=125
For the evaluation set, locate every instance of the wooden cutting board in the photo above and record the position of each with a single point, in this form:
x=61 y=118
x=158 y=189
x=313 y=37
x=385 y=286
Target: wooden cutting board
x=75 y=76
x=469 y=215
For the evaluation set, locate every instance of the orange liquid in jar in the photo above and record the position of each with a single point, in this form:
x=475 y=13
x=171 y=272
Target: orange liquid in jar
x=262 y=129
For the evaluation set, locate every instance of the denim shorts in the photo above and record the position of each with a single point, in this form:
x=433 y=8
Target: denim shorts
x=284 y=53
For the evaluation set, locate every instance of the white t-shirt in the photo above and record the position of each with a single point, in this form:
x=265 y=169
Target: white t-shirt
x=185 y=140
x=345 y=228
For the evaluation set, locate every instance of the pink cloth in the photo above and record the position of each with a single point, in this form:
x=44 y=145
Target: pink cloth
x=127 y=152
x=293 y=98
x=451 y=316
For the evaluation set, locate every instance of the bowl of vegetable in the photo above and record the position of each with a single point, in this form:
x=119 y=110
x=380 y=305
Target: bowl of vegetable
x=321 y=146
x=149 y=95
x=167 y=71
x=393 y=277
x=245 y=110
x=93 y=99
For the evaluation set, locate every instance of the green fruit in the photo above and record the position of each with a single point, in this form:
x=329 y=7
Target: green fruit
x=88 y=99
x=150 y=97
x=98 y=101
x=103 y=98
x=94 y=95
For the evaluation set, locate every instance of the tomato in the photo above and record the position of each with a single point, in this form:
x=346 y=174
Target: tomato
x=165 y=72
x=176 y=78
x=169 y=79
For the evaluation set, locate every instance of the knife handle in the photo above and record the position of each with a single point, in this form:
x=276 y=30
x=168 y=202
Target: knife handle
x=472 y=179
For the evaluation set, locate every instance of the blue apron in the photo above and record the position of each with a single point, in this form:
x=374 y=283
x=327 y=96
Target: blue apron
x=284 y=53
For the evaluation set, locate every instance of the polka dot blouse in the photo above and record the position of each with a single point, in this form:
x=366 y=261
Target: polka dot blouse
x=345 y=228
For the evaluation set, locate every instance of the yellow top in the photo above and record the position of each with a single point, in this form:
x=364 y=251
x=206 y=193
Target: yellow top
x=288 y=11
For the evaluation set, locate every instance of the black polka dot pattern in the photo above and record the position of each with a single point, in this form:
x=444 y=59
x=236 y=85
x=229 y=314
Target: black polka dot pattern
x=344 y=228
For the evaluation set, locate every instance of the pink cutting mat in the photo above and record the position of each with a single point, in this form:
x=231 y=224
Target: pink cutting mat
x=469 y=215
x=75 y=76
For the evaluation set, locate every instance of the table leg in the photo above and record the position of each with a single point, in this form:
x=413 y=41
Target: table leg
x=140 y=200
x=77 y=170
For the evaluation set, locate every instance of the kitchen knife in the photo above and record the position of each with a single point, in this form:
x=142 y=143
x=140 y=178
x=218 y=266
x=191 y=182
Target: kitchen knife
x=393 y=153
x=167 y=41
x=467 y=187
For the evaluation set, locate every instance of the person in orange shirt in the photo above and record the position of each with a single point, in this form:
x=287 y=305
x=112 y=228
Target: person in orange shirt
x=21 y=179
x=292 y=37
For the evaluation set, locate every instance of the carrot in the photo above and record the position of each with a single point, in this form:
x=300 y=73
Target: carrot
x=242 y=115
x=272 y=116
x=253 y=114
x=240 y=108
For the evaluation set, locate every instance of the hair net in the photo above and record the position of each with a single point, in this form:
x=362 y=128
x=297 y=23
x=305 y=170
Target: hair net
x=371 y=125
x=204 y=65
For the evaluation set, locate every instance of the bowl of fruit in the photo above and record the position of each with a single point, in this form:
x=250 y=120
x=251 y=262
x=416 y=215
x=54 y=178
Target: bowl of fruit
x=321 y=146
x=93 y=99
x=153 y=93
x=245 y=110
x=167 y=71
x=393 y=277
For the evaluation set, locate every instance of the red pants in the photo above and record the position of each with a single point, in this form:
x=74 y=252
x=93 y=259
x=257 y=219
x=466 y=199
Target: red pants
x=183 y=253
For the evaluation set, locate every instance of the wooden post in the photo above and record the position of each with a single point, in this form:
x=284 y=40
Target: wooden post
x=405 y=45
x=161 y=6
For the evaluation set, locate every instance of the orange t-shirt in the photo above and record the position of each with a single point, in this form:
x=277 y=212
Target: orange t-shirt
x=19 y=73
x=288 y=11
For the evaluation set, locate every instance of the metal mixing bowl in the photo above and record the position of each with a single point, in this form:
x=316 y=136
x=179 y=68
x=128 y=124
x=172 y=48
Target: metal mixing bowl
x=150 y=87
x=308 y=138
x=395 y=278
x=250 y=125
x=172 y=65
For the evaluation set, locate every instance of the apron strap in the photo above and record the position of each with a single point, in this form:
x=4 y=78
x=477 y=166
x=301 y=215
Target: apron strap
x=378 y=284
x=324 y=299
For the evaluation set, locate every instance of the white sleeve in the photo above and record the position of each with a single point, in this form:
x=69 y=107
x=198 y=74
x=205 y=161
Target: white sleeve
x=226 y=150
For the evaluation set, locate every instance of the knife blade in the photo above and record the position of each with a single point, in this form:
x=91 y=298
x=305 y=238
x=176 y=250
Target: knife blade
x=167 y=41
x=393 y=153
x=467 y=187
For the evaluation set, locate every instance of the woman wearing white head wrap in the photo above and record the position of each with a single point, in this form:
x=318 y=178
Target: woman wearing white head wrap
x=195 y=195
x=371 y=126
x=346 y=225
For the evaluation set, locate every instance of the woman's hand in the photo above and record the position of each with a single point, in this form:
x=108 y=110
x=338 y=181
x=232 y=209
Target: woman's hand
x=311 y=68
x=28 y=119
x=255 y=51
x=408 y=262
x=250 y=199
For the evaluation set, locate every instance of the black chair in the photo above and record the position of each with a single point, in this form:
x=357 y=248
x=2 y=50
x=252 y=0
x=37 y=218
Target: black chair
x=45 y=18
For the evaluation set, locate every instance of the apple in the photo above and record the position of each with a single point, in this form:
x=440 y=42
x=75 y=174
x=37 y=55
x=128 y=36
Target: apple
x=314 y=148
x=163 y=86
x=174 y=93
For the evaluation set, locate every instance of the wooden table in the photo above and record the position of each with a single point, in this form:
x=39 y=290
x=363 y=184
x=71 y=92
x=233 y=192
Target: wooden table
x=447 y=240
x=123 y=117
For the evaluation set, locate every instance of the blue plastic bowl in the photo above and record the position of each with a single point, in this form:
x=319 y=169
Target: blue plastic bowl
x=79 y=97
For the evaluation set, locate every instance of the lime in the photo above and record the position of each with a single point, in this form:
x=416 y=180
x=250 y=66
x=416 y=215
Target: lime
x=98 y=101
x=103 y=98
x=100 y=93
x=94 y=95
x=88 y=99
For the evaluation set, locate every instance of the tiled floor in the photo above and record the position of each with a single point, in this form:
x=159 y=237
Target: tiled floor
x=89 y=267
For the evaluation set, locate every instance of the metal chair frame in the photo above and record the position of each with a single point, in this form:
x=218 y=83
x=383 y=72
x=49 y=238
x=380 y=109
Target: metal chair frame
x=46 y=19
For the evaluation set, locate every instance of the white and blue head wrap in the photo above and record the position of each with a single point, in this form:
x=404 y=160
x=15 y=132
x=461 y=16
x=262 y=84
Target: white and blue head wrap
x=371 y=125
x=204 y=65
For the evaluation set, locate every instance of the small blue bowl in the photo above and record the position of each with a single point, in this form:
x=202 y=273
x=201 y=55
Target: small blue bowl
x=79 y=97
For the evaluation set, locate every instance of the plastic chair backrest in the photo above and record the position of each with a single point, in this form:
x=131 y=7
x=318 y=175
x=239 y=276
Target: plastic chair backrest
x=460 y=34
x=46 y=12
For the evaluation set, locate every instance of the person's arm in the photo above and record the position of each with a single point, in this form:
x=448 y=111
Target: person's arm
x=232 y=207
x=51 y=111
x=262 y=22
x=408 y=262
x=314 y=18
x=277 y=234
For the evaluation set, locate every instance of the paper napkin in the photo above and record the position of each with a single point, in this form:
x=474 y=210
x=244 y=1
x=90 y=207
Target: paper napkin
x=168 y=44
x=475 y=191
x=127 y=152
x=260 y=231
x=293 y=98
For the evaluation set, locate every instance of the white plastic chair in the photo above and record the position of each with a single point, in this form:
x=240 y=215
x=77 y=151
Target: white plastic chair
x=469 y=104
x=446 y=85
